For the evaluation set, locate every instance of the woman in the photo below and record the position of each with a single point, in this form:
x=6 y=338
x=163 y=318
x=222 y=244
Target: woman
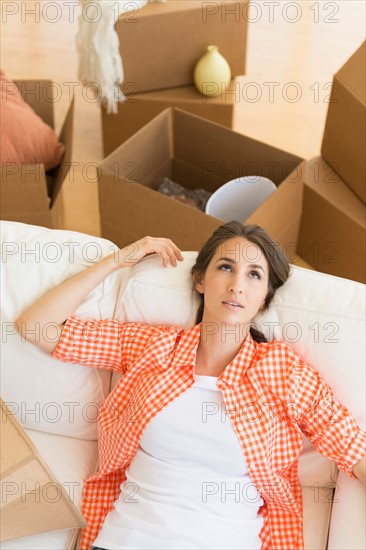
x=199 y=442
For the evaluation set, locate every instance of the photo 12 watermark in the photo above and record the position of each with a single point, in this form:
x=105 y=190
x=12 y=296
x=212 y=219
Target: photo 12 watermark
x=35 y=492
x=272 y=12
x=323 y=412
x=53 y=412
x=270 y=92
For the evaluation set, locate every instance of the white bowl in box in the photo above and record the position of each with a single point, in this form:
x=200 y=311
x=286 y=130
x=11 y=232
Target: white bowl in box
x=239 y=198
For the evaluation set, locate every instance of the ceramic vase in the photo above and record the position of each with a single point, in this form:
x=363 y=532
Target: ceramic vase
x=212 y=72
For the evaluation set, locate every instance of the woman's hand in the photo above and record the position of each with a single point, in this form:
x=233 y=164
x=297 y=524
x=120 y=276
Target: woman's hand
x=133 y=253
x=359 y=471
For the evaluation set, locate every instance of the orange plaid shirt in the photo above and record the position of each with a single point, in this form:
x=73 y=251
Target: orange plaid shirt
x=271 y=397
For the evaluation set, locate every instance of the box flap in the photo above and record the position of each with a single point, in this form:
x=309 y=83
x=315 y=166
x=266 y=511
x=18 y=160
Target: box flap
x=280 y=214
x=66 y=137
x=149 y=214
x=320 y=177
x=330 y=239
x=23 y=188
x=190 y=94
x=151 y=146
x=192 y=177
x=139 y=109
x=219 y=151
x=343 y=145
x=332 y=231
x=39 y=94
x=352 y=74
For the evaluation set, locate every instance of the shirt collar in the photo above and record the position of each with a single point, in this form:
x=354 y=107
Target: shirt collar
x=186 y=351
x=235 y=370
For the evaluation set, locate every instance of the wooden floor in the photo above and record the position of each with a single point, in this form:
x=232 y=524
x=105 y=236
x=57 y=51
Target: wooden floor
x=303 y=42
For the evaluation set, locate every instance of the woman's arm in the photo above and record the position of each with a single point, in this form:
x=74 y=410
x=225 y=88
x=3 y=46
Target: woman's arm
x=56 y=306
x=328 y=424
x=359 y=471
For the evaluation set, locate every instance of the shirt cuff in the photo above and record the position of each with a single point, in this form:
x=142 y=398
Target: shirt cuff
x=63 y=350
x=355 y=452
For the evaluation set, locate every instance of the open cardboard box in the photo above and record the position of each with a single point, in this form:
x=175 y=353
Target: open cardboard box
x=313 y=214
x=28 y=194
x=193 y=152
x=139 y=109
x=161 y=43
x=344 y=143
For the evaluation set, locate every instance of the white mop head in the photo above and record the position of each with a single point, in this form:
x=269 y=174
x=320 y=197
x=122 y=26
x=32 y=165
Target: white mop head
x=98 y=47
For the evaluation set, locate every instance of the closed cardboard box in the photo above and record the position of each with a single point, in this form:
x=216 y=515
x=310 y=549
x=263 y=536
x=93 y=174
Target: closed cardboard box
x=193 y=152
x=344 y=143
x=139 y=109
x=161 y=43
x=28 y=194
x=316 y=216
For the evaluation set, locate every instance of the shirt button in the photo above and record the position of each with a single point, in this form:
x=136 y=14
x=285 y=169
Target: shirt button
x=240 y=427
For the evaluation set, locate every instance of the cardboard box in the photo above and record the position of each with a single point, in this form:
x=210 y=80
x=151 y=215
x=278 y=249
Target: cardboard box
x=139 y=109
x=316 y=216
x=190 y=150
x=161 y=43
x=27 y=507
x=28 y=195
x=344 y=144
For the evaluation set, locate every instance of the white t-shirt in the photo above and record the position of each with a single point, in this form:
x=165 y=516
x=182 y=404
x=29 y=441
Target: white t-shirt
x=188 y=484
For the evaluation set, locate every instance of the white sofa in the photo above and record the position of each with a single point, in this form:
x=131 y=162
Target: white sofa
x=320 y=316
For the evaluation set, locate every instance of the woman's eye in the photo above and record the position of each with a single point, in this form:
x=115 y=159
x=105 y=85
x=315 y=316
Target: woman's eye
x=225 y=266
x=255 y=274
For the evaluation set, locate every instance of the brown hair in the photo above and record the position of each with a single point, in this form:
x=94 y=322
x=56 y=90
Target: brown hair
x=279 y=267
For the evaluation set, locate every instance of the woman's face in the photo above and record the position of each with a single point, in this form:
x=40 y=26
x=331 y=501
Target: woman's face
x=235 y=283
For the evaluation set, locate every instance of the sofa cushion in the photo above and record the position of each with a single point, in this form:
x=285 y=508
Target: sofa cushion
x=158 y=296
x=347 y=524
x=43 y=393
x=317 y=503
